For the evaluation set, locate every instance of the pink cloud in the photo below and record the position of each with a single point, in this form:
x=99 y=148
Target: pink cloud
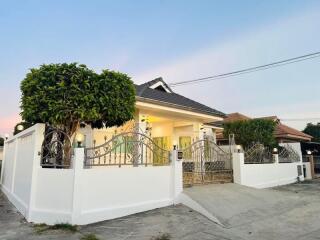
x=7 y=123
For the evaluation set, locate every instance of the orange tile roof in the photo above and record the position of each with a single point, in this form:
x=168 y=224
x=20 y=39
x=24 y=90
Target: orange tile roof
x=281 y=130
x=235 y=117
x=284 y=131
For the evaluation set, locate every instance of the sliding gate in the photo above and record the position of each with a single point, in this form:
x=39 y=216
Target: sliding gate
x=205 y=162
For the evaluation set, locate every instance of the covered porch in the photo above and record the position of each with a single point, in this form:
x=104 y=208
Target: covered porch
x=168 y=127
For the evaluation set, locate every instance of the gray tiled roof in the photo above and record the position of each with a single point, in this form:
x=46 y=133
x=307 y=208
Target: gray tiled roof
x=144 y=91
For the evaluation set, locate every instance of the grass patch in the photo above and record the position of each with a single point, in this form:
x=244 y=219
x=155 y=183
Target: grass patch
x=90 y=236
x=164 y=236
x=40 y=228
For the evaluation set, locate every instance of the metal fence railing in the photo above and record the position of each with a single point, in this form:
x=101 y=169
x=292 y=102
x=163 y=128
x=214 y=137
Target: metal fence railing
x=128 y=148
x=287 y=154
x=56 y=149
x=258 y=154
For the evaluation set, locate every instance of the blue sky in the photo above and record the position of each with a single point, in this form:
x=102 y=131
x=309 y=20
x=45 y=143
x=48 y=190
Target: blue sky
x=178 y=40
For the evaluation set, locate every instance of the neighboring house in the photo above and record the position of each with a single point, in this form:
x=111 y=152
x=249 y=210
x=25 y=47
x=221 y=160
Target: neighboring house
x=165 y=116
x=282 y=133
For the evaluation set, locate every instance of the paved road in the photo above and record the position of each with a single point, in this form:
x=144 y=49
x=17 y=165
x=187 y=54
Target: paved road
x=301 y=221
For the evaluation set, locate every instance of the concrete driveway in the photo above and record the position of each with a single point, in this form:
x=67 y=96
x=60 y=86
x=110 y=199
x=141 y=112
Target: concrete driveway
x=233 y=205
x=288 y=212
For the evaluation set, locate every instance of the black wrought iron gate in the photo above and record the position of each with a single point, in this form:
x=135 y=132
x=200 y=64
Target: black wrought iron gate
x=205 y=162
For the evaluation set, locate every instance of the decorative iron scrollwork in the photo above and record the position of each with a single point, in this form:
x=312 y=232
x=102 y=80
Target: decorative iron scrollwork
x=56 y=149
x=259 y=154
x=127 y=148
x=203 y=160
x=287 y=154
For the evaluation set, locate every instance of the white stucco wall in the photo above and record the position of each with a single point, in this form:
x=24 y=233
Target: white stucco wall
x=82 y=195
x=18 y=170
x=111 y=192
x=264 y=175
x=53 y=196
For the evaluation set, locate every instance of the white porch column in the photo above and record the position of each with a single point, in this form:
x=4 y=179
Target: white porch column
x=197 y=133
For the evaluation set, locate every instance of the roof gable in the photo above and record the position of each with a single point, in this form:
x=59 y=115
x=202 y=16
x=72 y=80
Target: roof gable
x=150 y=91
x=155 y=84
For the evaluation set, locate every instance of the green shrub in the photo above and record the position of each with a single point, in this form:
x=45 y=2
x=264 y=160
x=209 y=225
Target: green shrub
x=247 y=132
x=40 y=228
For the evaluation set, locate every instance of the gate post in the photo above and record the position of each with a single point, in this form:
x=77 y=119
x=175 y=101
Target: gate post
x=311 y=159
x=78 y=164
x=177 y=180
x=238 y=165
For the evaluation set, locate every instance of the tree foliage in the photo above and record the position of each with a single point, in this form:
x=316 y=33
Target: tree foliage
x=251 y=131
x=1 y=141
x=25 y=126
x=313 y=130
x=65 y=95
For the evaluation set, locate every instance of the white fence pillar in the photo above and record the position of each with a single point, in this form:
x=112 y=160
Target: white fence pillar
x=78 y=164
x=237 y=165
x=39 y=137
x=177 y=181
x=276 y=158
x=307 y=169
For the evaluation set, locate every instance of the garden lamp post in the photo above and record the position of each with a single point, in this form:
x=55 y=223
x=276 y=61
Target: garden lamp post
x=79 y=139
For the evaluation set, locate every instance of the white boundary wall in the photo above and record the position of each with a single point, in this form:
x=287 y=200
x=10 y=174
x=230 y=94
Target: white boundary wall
x=265 y=175
x=79 y=195
x=18 y=167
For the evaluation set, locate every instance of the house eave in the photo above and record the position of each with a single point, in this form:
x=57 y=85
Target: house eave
x=289 y=136
x=176 y=106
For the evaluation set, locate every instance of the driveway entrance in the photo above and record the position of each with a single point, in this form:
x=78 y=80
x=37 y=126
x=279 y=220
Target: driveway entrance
x=205 y=162
x=234 y=205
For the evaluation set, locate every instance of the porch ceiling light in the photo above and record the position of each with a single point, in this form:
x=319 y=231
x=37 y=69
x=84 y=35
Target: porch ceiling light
x=20 y=127
x=79 y=139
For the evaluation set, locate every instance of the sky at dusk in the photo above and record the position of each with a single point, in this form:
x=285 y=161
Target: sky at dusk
x=178 y=40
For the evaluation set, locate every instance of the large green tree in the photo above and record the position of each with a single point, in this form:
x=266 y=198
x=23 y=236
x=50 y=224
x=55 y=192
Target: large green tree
x=65 y=95
x=251 y=131
x=313 y=130
x=1 y=141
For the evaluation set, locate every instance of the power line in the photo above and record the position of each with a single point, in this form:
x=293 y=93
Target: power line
x=248 y=70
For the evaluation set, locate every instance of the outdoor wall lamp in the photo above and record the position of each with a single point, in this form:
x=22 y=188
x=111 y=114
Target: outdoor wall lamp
x=275 y=150
x=6 y=136
x=174 y=145
x=79 y=139
x=309 y=152
x=20 y=127
x=238 y=147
